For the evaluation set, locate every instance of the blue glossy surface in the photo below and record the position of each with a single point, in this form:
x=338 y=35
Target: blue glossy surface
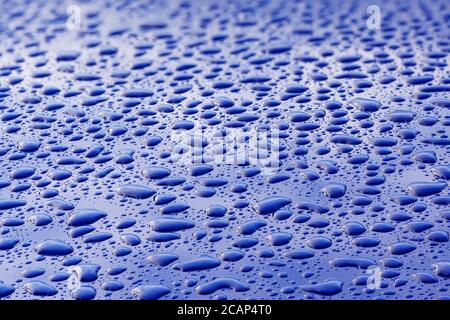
x=108 y=191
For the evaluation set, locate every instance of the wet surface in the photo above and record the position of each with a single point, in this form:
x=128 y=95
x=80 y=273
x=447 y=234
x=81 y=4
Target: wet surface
x=116 y=128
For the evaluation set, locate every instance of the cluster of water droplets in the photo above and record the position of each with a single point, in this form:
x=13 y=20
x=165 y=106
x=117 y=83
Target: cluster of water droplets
x=94 y=206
